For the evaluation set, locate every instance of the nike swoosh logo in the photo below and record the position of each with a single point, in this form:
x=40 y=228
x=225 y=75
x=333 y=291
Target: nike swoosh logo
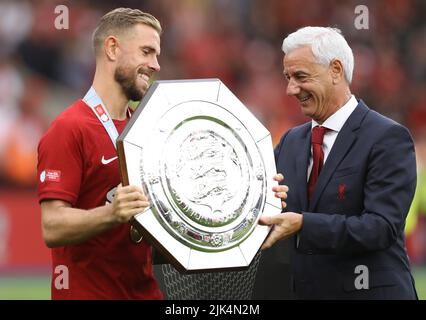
x=106 y=161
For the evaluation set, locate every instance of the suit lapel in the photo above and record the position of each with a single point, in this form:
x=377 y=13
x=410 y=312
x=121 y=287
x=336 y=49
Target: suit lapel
x=302 y=162
x=344 y=141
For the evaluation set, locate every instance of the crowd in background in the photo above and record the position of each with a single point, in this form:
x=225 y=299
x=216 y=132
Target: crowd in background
x=43 y=69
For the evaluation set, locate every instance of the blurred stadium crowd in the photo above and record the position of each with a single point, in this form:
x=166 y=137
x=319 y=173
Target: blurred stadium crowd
x=43 y=70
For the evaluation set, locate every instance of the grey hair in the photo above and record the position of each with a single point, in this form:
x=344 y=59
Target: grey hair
x=326 y=44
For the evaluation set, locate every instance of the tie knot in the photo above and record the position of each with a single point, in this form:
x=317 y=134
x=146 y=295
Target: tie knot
x=318 y=134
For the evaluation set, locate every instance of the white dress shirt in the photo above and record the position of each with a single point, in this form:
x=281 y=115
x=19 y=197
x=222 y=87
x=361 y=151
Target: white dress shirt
x=334 y=124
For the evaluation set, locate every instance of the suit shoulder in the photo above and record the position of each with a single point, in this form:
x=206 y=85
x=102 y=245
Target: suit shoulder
x=295 y=132
x=300 y=130
x=383 y=125
x=303 y=127
x=380 y=119
x=292 y=136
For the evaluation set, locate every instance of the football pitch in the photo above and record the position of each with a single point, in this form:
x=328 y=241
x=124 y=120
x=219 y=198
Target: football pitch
x=38 y=287
x=25 y=288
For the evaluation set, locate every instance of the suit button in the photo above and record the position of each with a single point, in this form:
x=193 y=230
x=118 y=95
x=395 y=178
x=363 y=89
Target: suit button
x=310 y=252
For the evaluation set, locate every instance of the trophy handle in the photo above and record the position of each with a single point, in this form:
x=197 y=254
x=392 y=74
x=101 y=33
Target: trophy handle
x=122 y=163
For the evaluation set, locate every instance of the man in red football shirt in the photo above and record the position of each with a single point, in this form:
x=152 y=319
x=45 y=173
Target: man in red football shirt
x=84 y=208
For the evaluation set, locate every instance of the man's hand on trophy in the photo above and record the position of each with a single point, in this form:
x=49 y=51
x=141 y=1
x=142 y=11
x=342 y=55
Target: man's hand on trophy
x=280 y=190
x=127 y=202
x=283 y=225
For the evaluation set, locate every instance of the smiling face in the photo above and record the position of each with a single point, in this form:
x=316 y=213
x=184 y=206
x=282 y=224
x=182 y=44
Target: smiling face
x=137 y=60
x=315 y=86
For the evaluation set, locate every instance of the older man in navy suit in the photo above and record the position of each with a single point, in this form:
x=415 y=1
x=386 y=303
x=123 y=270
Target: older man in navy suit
x=351 y=176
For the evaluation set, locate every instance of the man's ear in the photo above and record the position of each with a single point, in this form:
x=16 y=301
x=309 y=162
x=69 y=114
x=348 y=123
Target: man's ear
x=111 y=48
x=336 y=71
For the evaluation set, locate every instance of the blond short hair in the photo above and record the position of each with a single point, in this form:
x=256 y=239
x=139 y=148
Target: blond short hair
x=120 y=20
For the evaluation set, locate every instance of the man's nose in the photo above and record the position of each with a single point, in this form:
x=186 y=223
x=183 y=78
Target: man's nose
x=292 y=88
x=154 y=65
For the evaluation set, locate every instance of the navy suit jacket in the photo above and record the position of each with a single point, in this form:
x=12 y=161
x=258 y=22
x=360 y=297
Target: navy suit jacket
x=353 y=229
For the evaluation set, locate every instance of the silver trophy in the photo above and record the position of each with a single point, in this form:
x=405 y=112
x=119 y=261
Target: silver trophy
x=206 y=163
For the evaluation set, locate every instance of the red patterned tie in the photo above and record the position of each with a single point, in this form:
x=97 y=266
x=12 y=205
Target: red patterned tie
x=318 y=158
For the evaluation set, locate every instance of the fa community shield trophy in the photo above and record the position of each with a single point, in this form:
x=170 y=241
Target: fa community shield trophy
x=206 y=164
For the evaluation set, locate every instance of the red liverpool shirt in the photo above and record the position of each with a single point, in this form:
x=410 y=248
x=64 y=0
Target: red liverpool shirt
x=77 y=163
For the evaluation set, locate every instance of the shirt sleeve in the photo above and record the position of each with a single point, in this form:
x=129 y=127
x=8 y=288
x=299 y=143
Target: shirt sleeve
x=60 y=162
